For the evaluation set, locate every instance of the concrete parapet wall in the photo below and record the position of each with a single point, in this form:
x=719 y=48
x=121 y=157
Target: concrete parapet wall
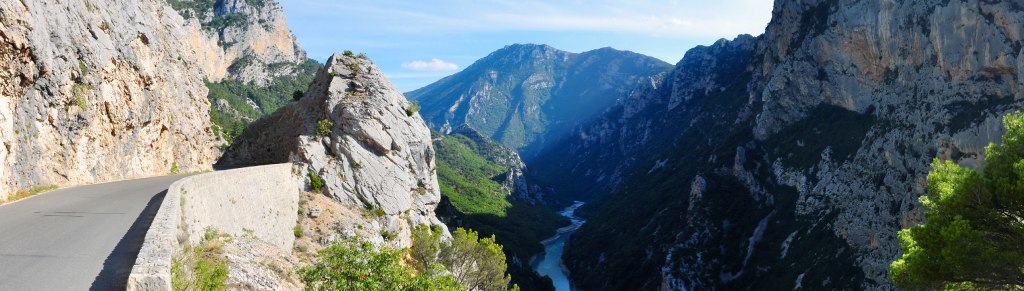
x=258 y=201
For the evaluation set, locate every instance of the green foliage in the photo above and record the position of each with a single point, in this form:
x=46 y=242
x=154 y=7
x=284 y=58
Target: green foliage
x=174 y=168
x=81 y=64
x=974 y=226
x=477 y=263
x=89 y=6
x=466 y=168
x=80 y=90
x=388 y=235
x=359 y=265
x=347 y=53
x=414 y=107
x=201 y=267
x=323 y=127
x=315 y=182
x=298 y=231
x=465 y=176
x=22 y=194
x=190 y=8
x=276 y=94
x=354 y=67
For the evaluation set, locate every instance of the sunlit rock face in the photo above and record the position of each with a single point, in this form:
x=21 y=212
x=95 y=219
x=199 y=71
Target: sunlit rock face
x=358 y=134
x=242 y=40
x=94 y=91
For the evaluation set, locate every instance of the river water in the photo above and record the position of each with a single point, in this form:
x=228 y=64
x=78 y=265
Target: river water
x=550 y=263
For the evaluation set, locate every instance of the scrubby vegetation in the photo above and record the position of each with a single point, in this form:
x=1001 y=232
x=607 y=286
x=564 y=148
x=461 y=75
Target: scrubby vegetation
x=315 y=182
x=230 y=123
x=414 y=107
x=465 y=262
x=201 y=267
x=22 y=194
x=973 y=233
x=466 y=171
x=323 y=127
x=477 y=263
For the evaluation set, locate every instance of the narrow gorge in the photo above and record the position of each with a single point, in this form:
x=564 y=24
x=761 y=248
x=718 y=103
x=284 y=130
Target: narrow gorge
x=203 y=144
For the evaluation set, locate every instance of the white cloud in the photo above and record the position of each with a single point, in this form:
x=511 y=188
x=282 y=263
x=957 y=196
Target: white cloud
x=432 y=65
x=661 y=18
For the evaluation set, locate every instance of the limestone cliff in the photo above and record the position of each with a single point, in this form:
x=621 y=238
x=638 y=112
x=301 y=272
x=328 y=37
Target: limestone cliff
x=241 y=40
x=356 y=132
x=791 y=160
x=97 y=90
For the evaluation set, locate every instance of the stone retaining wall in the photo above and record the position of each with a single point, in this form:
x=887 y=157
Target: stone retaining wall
x=258 y=201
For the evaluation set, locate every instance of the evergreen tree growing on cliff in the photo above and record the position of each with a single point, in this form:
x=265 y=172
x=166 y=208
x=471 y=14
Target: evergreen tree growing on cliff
x=973 y=237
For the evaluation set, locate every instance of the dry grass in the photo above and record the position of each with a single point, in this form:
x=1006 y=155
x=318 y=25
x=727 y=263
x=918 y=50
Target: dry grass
x=22 y=194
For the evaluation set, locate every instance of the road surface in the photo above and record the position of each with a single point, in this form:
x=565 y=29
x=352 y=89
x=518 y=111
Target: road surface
x=80 y=238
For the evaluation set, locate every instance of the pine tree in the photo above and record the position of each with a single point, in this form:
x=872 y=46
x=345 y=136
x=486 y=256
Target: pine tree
x=973 y=236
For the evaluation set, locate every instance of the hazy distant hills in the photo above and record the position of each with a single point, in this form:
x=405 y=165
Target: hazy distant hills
x=529 y=96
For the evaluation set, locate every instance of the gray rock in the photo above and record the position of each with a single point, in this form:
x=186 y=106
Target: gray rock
x=371 y=153
x=241 y=40
x=97 y=90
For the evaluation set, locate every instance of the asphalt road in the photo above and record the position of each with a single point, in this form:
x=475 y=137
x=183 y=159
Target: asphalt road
x=80 y=238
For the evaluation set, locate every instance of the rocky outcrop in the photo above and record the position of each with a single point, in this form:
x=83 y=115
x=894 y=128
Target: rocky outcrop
x=795 y=166
x=95 y=91
x=528 y=97
x=241 y=40
x=357 y=133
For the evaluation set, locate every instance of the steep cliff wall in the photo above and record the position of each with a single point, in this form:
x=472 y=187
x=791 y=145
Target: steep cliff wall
x=241 y=40
x=103 y=90
x=802 y=175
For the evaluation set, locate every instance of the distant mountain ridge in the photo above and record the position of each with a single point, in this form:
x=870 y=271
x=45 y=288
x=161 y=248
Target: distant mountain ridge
x=528 y=96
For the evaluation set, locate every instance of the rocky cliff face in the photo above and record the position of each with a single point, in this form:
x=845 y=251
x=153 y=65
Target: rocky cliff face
x=103 y=90
x=242 y=40
x=793 y=167
x=529 y=96
x=354 y=131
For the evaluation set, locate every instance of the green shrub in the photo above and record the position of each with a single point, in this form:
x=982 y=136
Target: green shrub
x=476 y=263
x=323 y=127
x=81 y=65
x=315 y=182
x=80 y=90
x=298 y=231
x=359 y=265
x=347 y=53
x=354 y=67
x=388 y=235
x=414 y=107
x=201 y=267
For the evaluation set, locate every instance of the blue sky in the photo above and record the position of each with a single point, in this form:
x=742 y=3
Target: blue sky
x=418 y=42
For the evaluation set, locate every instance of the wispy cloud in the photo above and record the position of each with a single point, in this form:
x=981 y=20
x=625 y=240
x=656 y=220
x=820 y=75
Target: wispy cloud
x=436 y=65
x=666 y=18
